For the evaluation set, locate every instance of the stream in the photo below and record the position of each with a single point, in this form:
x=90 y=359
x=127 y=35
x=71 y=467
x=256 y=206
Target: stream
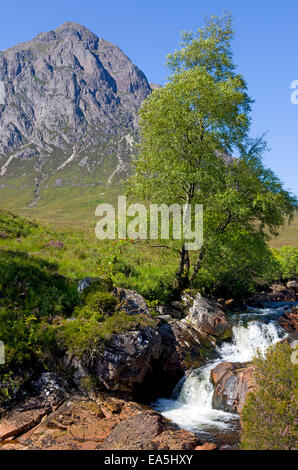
x=191 y=404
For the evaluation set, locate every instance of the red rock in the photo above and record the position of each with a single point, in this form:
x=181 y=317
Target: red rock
x=20 y=422
x=206 y=446
x=107 y=423
x=232 y=383
x=289 y=320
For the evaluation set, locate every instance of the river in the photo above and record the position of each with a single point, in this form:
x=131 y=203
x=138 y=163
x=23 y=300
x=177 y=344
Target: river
x=191 y=404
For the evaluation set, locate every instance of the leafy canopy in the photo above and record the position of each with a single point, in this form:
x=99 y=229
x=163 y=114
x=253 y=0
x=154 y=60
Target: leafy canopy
x=189 y=128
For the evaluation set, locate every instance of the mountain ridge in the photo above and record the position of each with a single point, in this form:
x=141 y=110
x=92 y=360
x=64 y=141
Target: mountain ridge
x=69 y=112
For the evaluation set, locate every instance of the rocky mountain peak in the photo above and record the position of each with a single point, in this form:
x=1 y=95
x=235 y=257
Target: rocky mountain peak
x=67 y=97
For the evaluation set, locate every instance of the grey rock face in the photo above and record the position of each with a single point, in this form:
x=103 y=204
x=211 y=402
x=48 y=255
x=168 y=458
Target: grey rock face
x=67 y=97
x=132 y=302
x=207 y=316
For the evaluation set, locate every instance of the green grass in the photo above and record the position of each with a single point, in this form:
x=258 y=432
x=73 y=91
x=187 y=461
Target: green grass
x=39 y=272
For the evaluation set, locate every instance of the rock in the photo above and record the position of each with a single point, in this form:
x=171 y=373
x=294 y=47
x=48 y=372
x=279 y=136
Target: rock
x=67 y=96
x=125 y=361
x=48 y=392
x=232 y=305
x=277 y=293
x=50 y=389
x=79 y=424
x=85 y=283
x=282 y=293
x=206 y=446
x=183 y=348
x=132 y=302
x=289 y=320
x=232 y=383
x=107 y=422
x=148 y=431
x=170 y=311
x=207 y=316
x=293 y=285
x=18 y=422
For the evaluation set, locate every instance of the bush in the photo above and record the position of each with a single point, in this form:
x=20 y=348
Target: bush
x=268 y=417
x=287 y=258
x=238 y=266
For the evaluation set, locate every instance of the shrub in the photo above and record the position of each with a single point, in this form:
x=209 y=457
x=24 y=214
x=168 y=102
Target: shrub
x=238 y=266
x=268 y=417
x=287 y=258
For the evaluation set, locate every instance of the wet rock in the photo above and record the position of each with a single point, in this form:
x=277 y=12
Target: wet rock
x=132 y=302
x=232 y=383
x=289 y=320
x=183 y=348
x=208 y=317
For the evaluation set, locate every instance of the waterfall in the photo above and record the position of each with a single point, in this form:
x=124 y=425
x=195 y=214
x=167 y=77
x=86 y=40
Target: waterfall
x=191 y=405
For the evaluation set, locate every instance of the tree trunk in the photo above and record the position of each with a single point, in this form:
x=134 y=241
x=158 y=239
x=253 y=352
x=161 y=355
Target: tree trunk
x=197 y=265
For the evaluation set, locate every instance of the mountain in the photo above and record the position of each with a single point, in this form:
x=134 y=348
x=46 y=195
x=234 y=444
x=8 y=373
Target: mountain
x=68 y=114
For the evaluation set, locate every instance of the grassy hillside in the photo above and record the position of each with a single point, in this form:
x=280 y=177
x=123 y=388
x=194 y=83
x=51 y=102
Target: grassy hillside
x=288 y=236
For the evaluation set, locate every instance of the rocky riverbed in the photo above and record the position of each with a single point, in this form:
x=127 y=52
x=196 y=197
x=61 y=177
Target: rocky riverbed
x=196 y=355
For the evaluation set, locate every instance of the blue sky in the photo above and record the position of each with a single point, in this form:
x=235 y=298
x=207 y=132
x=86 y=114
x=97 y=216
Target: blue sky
x=265 y=50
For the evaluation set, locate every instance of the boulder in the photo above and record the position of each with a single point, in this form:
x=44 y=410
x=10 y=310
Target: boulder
x=148 y=431
x=85 y=283
x=293 y=285
x=125 y=361
x=277 y=293
x=289 y=320
x=207 y=316
x=183 y=348
x=132 y=302
x=232 y=382
x=104 y=423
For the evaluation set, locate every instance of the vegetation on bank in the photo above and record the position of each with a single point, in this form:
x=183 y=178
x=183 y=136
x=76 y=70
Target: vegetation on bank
x=41 y=311
x=269 y=417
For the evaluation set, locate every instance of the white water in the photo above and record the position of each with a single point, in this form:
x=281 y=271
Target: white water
x=191 y=406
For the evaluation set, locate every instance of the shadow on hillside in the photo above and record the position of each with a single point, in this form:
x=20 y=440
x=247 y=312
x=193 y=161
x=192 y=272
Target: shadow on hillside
x=29 y=282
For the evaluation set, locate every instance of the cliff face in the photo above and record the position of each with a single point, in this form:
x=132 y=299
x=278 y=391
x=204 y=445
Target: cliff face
x=68 y=106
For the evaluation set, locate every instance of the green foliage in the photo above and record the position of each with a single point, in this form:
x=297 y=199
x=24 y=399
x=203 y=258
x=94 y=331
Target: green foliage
x=85 y=338
x=237 y=266
x=269 y=415
x=31 y=294
x=287 y=258
x=115 y=261
x=98 y=304
x=188 y=130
